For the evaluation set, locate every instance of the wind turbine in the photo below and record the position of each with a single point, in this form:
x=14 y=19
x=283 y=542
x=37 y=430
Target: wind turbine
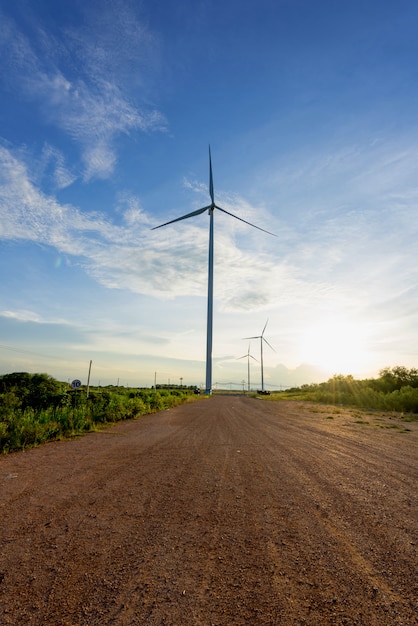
x=210 y=209
x=262 y=338
x=248 y=356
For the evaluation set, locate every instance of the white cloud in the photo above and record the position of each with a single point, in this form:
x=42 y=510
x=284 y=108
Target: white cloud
x=165 y=263
x=25 y=315
x=130 y=208
x=349 y=261
x=196 y=186
x=130 y=256
x=125 y=44
x=53 y=161
x=22 y=316
x=94 y=108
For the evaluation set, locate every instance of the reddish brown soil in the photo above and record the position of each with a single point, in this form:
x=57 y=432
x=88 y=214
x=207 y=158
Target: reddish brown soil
x=227 y=511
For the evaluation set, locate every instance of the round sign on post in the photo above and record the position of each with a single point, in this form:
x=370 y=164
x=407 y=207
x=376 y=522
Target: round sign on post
x=76 y=384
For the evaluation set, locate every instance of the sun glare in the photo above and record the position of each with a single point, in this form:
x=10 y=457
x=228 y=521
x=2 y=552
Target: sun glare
x=336 y=347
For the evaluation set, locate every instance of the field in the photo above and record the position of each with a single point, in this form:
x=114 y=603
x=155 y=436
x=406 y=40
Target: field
x=225 y=511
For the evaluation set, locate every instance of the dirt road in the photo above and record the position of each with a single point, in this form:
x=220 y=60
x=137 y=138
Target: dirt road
x=227 y=511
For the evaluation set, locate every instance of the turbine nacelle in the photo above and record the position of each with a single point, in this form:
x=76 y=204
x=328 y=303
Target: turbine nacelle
x=211 y=208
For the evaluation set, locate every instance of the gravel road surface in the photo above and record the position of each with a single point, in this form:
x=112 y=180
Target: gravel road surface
x=226 y=511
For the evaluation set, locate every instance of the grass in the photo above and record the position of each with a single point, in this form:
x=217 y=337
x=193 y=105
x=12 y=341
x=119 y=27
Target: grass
x=396 y=389
x=23 y=426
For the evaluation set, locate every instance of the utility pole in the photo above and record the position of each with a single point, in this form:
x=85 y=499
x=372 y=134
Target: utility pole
x=88 y=380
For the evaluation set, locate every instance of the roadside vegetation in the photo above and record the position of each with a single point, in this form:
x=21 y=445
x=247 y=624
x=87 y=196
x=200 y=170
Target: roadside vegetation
x=396 y=389
x=35 y=408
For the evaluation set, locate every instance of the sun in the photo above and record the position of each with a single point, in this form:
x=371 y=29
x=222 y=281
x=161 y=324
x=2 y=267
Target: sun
x=335 y=346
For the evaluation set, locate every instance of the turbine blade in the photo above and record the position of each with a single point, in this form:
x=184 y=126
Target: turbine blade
x=265 y=326
x=257 y=337
x=246 y=357
x=212 y=195
x=269 y=344
x=245 y=221
x=184 y=217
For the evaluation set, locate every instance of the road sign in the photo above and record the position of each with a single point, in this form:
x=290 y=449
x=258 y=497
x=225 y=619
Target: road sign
x=76 y=384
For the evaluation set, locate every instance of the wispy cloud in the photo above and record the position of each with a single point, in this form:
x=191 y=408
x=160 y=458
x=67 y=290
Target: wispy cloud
x=53 y=162
x=128 y=256
x=126 y=51
x=353 y=172
x=22 y=316
x=93 y=105
x=348 y=258
x=25 y=315
x=196 y=186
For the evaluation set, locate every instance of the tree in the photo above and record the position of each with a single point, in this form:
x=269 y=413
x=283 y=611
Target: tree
x=37 y=391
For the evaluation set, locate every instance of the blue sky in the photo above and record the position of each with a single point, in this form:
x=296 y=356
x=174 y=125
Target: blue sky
x=107 y=109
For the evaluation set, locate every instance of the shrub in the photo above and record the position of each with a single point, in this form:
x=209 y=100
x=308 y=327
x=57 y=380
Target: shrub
x=396 y=389
x=35 y=408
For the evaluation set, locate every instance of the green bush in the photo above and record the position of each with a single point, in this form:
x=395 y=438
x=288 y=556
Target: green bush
x=35 y=408
x=36 y=391
x=396 y=389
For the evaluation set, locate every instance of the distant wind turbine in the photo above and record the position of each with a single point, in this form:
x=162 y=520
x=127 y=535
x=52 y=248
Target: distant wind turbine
x=262 y=338
x=248 y=356
x=210 y=209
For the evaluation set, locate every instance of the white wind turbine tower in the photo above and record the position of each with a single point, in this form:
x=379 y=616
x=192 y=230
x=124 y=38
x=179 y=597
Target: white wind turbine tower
x=248 y=356
x=262 y=338
x=210 y=209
